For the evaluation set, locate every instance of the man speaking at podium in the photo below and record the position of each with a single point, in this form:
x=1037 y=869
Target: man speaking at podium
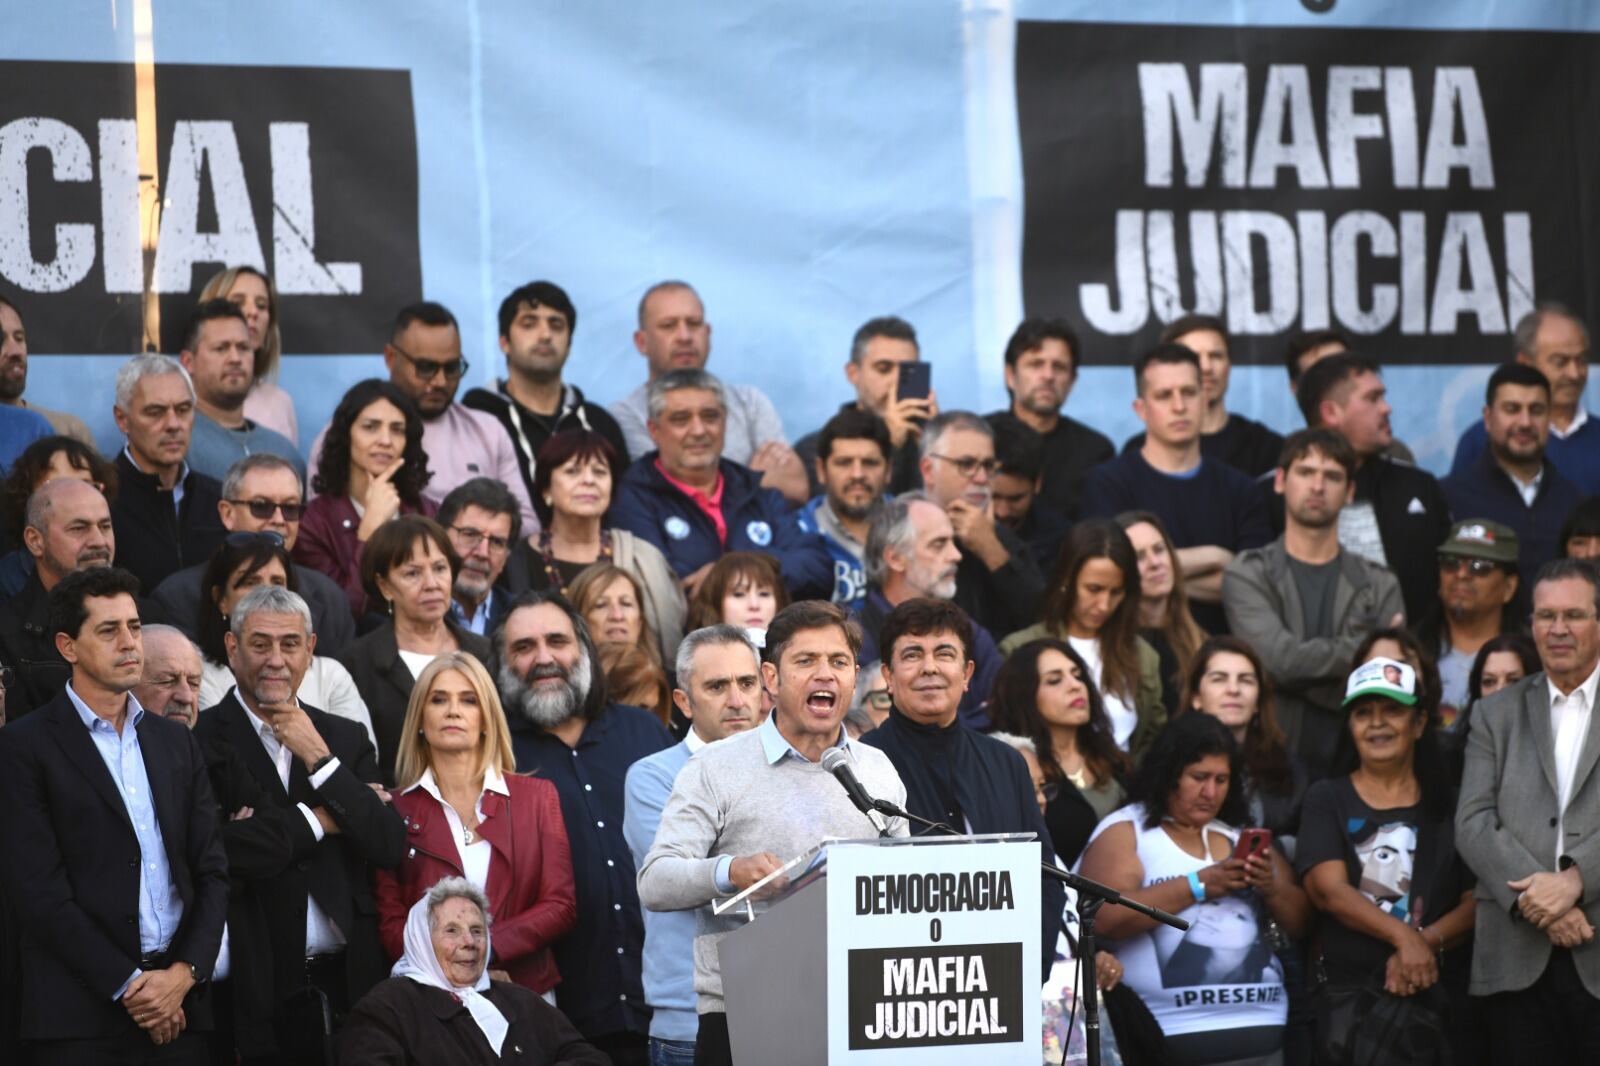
x=744 y=806
x=953 y=774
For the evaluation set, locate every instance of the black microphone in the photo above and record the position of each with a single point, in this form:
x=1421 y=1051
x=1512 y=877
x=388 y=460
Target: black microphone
x=837 y=763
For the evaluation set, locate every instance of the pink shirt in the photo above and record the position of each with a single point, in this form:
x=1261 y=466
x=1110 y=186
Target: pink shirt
x=711 y=505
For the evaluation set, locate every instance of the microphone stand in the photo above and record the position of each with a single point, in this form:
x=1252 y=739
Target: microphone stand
x=1092 y=895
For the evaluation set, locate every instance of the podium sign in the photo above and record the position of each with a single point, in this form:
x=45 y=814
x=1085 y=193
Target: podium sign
x=933 y=952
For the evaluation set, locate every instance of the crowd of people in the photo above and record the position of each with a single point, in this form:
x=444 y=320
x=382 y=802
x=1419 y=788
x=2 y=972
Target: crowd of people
x=435 y=742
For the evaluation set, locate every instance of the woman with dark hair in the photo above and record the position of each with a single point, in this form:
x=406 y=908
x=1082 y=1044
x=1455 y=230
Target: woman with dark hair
x=1093 y=604
x=409 y=566
x=1580 y=533
x=1164 y=618
x=244 y=561
x=1043 y=692
x=574 y=480
x=1377 y=853
x=44 y=460
x=372 y=469
x=1403 y=645
x=253 y=293
x=743 y=589
x=1502 y=661
x=1217 y=990
x=1228 y=682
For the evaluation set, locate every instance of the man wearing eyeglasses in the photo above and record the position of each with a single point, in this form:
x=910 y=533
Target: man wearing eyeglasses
x=1304 y=602
x=424 y=361
x=261 y=494
x=221 y=363
x=998 y=582
x=482 y=522
x=1478 y=585
x=1525 y=824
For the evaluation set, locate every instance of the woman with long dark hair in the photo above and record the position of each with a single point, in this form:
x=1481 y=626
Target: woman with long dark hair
x=1093 y=605
x=1164 y=618
x=1043 y=692
x=1217 y=989
x=372 y=469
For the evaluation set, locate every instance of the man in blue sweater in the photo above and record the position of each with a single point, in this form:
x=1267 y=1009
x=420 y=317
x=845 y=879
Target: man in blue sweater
x=1554 y=341
x=719 y=691
x=695 y=505
x=1514 y=482
x=1211 y=510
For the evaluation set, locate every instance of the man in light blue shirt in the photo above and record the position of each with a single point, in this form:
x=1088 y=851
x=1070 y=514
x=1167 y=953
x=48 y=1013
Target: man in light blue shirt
x=112 y=828
x=719 y=679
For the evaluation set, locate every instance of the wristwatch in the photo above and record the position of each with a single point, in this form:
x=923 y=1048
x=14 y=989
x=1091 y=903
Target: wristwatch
x=320 y=763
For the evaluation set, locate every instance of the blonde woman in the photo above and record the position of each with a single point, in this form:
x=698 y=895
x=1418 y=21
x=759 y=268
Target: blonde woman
x=468 y=814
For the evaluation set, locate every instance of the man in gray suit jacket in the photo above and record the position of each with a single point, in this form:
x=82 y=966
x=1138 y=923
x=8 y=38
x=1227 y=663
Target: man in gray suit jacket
x=1528 y=824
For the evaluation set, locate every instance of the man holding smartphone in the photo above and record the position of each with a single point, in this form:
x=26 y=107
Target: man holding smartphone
x=892 y=382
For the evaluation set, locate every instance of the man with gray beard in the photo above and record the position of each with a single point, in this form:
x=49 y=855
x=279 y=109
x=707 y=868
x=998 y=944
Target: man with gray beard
x=912 y=553
x=565 y=730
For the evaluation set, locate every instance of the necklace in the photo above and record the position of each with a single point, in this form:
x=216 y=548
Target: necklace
x=548 y=554
x=469 y=835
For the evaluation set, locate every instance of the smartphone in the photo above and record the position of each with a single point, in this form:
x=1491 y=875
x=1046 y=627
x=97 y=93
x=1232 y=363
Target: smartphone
x=1252 y=842
x=916 y=380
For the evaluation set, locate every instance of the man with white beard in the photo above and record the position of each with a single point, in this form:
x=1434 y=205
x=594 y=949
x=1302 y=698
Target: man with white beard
x=565 y=730
x=912 y=553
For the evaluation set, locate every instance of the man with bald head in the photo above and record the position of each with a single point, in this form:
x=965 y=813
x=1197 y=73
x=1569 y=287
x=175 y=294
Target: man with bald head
x=67 y=529
x=261 y=494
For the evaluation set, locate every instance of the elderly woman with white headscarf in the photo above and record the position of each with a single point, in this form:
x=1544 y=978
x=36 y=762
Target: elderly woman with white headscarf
x=440 y=1006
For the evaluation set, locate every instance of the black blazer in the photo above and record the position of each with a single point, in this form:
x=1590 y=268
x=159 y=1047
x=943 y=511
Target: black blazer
x=154 y=539
x=268 y=935
x=385 y=683
x=69 y=852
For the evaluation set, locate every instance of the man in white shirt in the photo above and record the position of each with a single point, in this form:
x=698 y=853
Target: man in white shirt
x=1525 y=824
x=673 y=334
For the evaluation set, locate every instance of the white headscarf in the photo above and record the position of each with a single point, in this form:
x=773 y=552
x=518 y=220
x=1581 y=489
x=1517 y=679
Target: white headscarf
x=421 y=965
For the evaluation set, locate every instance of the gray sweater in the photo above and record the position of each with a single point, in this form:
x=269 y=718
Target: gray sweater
x=729 y=800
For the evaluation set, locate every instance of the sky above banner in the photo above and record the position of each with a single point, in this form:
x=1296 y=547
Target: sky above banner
x=805 y=167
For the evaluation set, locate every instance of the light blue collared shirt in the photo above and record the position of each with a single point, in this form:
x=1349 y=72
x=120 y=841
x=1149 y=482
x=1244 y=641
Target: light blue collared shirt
x=776 y=747
x=160 y=906
x=479 y=622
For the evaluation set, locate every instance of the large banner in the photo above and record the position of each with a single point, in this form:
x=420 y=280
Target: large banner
x=309 y=174
x=1417 y=190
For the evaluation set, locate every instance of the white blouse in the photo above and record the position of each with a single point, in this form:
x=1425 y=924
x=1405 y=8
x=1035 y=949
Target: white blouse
x=474 y=856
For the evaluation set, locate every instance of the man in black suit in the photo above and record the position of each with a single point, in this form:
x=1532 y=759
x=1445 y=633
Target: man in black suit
x=112 y=845
x=307 y=939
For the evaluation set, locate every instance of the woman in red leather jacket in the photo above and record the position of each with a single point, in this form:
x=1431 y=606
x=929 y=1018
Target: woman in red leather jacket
x=468 y=814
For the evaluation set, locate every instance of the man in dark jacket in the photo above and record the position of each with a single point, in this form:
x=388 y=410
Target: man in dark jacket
x=165 y=513
x=952 y=774
x=1513 y=481
x=112 y=842
x=306 y=940
x=694 y=505
x=1399 y=515
x=68 y=528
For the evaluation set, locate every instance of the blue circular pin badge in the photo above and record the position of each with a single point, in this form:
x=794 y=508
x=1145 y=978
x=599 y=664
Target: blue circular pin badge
x=676 y=528
x=759 y=533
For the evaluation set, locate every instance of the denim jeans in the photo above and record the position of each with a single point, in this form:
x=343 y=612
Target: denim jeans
x=671 y=1052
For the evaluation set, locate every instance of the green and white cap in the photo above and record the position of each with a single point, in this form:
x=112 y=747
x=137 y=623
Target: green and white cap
x=1390 y=678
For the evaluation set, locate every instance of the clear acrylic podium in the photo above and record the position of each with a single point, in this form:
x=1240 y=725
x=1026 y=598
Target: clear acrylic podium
x=905 y=950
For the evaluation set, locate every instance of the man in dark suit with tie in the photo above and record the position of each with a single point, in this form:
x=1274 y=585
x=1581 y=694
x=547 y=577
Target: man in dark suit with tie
x=307 y=941
x=112 y=847
x=1528 y=824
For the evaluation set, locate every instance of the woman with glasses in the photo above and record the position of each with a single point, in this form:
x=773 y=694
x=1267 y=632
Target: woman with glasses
x=1044 y=692
x=371 y=469
x=469 y=814
x=574 y=482
x=1093 y=604
x=408 y=566
x=252 y=292
x=244 y=561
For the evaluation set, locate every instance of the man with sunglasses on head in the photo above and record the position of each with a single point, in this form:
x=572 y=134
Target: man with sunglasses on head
x=221 y=362
x=998 y=582
x=261 y=494
x=424 y=360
